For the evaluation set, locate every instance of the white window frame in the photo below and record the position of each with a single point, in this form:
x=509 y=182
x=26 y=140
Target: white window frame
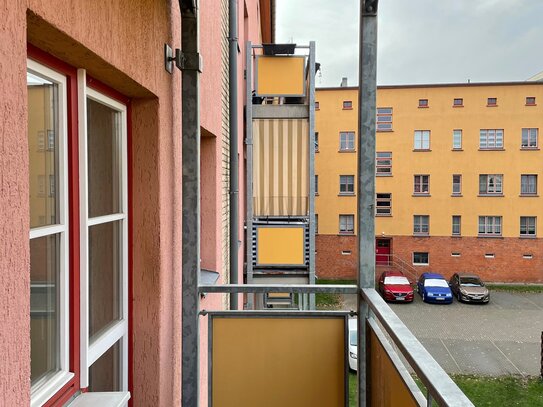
x=527 y=226
x=419 y=224
x=491 y=139
x=383 y=163
x=421 y=264
x=493 y=184
x=347 y=141
x=490 y=225
x=527 y=184
x=117 y=331
x=383 y=121
x=346 y=184
x=45 y=388
x=420 y=181
x=421 y=140
x=527 y=138
x=457 y=139
x=346 y=217
x=383 y=210
x=458 y=224
x=459 y=183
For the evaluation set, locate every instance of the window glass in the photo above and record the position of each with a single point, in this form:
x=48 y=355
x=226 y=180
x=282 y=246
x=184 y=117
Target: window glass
x=44 y=306
x=346 y=184
x=421 y=140
x=104 y=159
x=457 y=139
x=105 y=373
x=43 y=118
x=346 y=141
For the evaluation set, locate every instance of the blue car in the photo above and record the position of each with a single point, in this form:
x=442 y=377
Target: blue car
x=434 y=288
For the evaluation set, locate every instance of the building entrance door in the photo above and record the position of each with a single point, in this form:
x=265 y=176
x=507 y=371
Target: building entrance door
x=382 y=252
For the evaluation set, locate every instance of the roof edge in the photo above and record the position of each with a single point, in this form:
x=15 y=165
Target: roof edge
x=437 y=85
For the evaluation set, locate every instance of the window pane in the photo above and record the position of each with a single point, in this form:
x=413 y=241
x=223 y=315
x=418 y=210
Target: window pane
x=105 y=269
x=43 y=149
x=105 y=373
x=44 y=306
x=104 y=159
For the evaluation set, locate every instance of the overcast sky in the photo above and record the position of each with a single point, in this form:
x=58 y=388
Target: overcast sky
x=421 y=41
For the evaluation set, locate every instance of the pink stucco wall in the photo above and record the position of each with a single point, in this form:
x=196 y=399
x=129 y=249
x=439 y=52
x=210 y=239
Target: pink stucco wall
x=121 y=44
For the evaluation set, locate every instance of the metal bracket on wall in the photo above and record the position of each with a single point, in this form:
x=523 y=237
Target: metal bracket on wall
x=183 y=61
x=370 y=7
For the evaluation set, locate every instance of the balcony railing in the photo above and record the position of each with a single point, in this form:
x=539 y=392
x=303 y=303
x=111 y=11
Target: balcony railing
x=389 y=381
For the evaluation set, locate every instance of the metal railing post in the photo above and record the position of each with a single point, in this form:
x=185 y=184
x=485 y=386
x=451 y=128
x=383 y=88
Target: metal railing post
x=367 y=74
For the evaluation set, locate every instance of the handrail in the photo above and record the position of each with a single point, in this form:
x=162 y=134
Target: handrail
x=438 y=383
x=278 y=288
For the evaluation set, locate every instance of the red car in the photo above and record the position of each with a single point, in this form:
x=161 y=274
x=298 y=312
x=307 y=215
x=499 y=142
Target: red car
x=394 y=286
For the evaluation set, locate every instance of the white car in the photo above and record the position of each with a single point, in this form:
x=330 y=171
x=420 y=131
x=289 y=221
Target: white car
x=353 y=336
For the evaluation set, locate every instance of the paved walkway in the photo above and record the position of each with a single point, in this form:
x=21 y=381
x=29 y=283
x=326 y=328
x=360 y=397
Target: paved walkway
x=500 y=338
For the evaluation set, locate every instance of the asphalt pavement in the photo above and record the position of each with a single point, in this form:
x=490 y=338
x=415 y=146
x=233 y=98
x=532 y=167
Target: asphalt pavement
x=499 y=338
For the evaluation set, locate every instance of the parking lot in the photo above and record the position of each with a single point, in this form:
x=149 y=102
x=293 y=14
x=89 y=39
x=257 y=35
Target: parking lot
x=500 y=338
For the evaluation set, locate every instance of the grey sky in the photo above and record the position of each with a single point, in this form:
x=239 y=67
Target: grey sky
x=422 y=41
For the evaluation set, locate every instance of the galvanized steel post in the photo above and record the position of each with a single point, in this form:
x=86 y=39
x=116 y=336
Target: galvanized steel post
x=312 y=225
x=190 y=121
x=367 y=74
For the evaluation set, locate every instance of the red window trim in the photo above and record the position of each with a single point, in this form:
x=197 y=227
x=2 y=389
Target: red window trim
x=44 y=58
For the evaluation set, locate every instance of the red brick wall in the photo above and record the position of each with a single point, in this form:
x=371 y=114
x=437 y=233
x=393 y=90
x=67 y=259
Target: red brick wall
x=330 y=263
x=508 y=264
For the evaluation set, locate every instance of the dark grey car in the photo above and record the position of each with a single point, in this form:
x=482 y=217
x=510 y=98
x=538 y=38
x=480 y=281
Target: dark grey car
x=469 y=288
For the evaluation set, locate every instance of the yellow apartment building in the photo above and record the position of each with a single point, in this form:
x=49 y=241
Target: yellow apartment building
x=458 y=169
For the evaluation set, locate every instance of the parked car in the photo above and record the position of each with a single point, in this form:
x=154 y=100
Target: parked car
x=469 y=288
x=353 y=340
x=394 y=286
x=433 y=287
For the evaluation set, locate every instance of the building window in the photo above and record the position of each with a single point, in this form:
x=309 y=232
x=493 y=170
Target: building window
x=489 y=255
x=527 y=226
x=346 y=141
x=317 y=106
x=383 y=204
x=102 y=301
x=383 y=163
x=421 y=185
x=316 y=184
x=50 y=332
x=455 y=254
x=423 y=102
x=456 y=220
x=346 y=184
x=457 y=140
x=317 y=223
x=529 y=138
x=491 y=184
x=492 y=102
x=491 y=139
x=346 y=224
x=421 y=225
x=421 y=259
x=347 y=104
x=422 y=140
x=490 y=225
x=41 y=140
x=457 y=184
x=316 y=141
x=458 y=102
x=528 y=184
x=384 y=119
x=530 y=100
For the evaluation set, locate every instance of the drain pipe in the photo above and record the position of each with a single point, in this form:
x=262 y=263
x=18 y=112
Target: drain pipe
x=234 y=161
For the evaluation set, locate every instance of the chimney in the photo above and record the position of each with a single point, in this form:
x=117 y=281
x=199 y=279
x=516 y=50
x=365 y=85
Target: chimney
x=343 y=82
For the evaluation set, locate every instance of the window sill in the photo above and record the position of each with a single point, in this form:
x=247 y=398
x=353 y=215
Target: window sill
x=491 y=105
x=457 y=106
x=529 y=148
x=490 y=236
x=49 y=388
x=384 y=215
x=347 y=108
x=421 y=195
x=421 y=235
x=105 y=399
x=347 y=194
x=529 y=196
x=421 y=150
x=423 y=107
x=527 y=237
x=457 y=149
x=491 y=195
x=383 y=175
x=384 y=131
x=491 y=149
x=346 y=151
x=456 y=237
x=457 y=195
x=530 y=104
x=345 y=234
x=421 y=264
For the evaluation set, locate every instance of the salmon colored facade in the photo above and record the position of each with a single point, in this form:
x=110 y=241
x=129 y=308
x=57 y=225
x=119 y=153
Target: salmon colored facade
x=109 y=57
x=458 y=176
